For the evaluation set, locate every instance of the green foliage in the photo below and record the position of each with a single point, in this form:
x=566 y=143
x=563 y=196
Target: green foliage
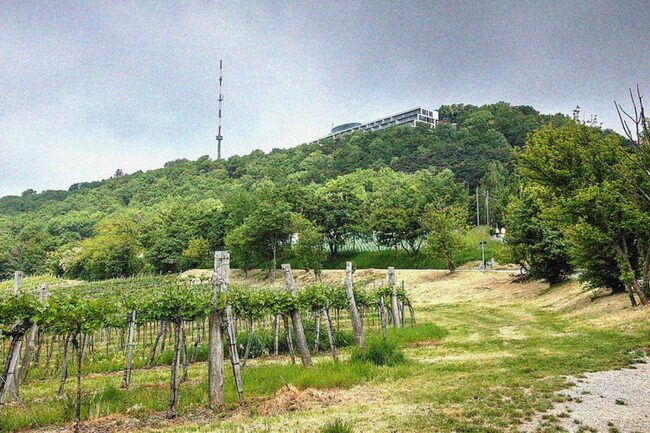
x=309 y=249
x=447 y=227
x=337 y=426
x=145 y=221
x=197 y=254
x=583 y=171
x=379 y=351
x=535 y=242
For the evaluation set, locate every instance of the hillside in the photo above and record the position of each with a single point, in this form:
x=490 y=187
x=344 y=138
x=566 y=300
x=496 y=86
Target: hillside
x=500 y=352
x=43 y=232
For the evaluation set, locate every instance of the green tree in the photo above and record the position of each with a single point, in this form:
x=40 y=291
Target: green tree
x=340 y=209
x=197 y=253
x=534 y=242
x=447 y=227
x=309 y=248
x=584 y=171
x=114 y=251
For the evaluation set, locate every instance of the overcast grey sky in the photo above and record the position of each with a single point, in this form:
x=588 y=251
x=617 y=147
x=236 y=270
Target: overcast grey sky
x=87 y=88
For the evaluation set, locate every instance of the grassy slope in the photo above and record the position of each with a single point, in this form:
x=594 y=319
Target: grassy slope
x=471 y=251
x=507 y=348
x=500 y=358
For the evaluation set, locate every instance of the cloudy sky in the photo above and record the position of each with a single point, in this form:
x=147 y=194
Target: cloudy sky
x=88 y=88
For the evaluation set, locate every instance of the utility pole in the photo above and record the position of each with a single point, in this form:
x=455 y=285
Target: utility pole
x=219 y=136
x=478 y=215
x=487 y=207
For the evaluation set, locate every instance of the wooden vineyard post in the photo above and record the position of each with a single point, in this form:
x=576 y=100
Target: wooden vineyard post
x=354 y=314
x=129 y=351
x=301 y=340
x=222 y=273
x=215 y=341
x=393 y=296
x=31 y=338
x=9 y=380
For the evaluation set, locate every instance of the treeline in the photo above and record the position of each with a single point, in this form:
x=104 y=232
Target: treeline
x=375 y=184
x=584 y=205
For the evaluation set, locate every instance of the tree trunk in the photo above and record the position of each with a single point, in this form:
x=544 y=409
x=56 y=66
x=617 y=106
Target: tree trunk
x=79 y=346
x=275 y=263
x=184 y=350
x=317 y=333
x=622 y=251
x=330 y=335
x=287 y=332
x=412 y=313
x=249 y=342
x=276 y=334
x=159 y=336
x=64 y=375
x=173 y=381
x=301 y=340
x=220 y=277
x=197 y=340
x=382 y=314
x=354 y=314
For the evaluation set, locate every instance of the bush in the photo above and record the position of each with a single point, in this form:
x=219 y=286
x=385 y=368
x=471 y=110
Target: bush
x=379 y=352
x=337 y=426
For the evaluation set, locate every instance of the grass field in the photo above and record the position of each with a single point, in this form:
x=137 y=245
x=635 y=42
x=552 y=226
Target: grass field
x=485 y=356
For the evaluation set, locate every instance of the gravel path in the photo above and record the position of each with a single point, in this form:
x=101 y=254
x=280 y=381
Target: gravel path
x=606 y=401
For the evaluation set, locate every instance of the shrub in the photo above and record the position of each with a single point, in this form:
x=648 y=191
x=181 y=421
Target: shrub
x=379 y=352
x=337 y=426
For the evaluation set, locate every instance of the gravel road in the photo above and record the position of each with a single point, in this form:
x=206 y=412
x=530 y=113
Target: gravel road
x=606 y=401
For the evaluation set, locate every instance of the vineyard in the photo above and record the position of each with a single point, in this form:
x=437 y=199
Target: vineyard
x=51 y=329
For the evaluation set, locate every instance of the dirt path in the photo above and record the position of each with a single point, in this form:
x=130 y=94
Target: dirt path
x=606 y=401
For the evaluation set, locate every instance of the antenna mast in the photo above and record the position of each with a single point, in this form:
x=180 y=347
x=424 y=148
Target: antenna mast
x=219 y=136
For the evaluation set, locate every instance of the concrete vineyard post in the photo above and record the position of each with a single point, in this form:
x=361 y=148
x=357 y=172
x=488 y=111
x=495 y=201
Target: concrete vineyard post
x=354 y=314
x=301 y=340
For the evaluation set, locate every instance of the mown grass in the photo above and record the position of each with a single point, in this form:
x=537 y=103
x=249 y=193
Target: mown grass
x=469 y=368
x=494 y=369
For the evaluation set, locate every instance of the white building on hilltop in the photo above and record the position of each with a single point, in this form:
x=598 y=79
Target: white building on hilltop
x=411 y=117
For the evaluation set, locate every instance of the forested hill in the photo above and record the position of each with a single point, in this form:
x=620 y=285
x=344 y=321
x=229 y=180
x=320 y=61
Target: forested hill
x=42 y=232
